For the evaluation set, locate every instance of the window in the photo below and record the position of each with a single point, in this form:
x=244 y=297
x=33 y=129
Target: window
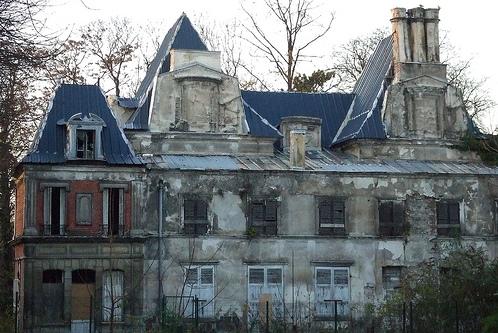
x=53 y=294
x=263 y=217
x=448 y=218
x=496 y=217
x=265 y=285
x=391 y=218
x=84 y=208
x=112 y=295
x=84 y=137
x=82 y=293
x=391 y=279
x=85 y=144
x=199 y=284
x=331 y=216
x=195 y=216
x=331 y=287
x=113 y=210
x=54 y=210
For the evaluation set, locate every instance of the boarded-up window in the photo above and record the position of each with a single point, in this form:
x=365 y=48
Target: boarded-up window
x=263 y=217
x=54 y=210
x=331 y=285
x=112 y=295
x=195 y=216
x=391 y=218
x=84 y=208
x=391 y=279
x=82 y=293
x=53 y=295
x=331 y=216
x=199 y=284
x=448 y=218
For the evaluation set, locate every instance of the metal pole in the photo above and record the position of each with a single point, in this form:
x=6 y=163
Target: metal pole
x=456 y=317
x=196 y=307
x=15 y=311
x=404 y=317
x=335 y=315
x=411 y=317
x=267 y=329
x=91 y=314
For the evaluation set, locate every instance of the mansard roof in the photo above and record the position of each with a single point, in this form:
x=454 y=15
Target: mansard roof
x=264 y=111
x=88 y=101
x=182 y=35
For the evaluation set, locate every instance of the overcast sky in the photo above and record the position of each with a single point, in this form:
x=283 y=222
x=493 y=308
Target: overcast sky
x=471 y=26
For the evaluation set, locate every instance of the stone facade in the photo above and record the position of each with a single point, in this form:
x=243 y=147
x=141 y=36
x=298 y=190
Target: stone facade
x=238 y=220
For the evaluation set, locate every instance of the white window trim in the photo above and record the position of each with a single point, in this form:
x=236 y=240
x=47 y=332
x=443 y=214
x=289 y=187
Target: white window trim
x=47 y=209
x=92 y=123
x=332 y=285
x=199 y=285
x=266 y=285
x=105 y=209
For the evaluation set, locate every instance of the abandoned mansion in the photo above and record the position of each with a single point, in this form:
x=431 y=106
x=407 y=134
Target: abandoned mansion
x=201 y=199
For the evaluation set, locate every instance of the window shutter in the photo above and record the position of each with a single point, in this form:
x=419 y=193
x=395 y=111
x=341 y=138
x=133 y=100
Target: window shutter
x=398 y=213
x=385 y=212
x=454 y=213
x=189 y=209
x=325 y=212
x=442 y=213
x=338 y=212
x=257 y=211
x=201 y=212
x=271 y=210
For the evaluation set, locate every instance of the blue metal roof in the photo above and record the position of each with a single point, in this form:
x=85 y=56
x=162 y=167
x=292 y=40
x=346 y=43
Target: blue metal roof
x=364 y=119
x=264 y=110
x=182 y=35
x=69 y=100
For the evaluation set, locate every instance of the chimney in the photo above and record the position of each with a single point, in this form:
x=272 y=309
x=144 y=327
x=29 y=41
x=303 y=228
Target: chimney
x=311 y=125
x=416 y=42
x=183 y=58
x=297 y=148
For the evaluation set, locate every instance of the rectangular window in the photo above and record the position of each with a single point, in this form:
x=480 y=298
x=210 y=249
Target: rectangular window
x=54 y=211
x=113 y=211
x=263 y=217
x=331 y=216
x=331 y=287
x=112 y=295
x=496 y=217
x=53 y=294
x=265 y=285
x=391 y=279
x=448 y=218
x=199 y=284
x=85 y=144
x=195 y=216
x=391 y=218
x=84 y=208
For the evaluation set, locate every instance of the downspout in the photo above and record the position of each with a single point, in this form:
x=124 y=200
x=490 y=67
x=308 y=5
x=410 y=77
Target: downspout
x=160 y=188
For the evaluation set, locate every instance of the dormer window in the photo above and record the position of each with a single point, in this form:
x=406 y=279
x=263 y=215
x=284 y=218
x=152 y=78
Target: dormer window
x=85 y=144
x=84 y=137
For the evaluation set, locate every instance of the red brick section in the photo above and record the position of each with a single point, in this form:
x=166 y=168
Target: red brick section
x=20 y=199
x=85 y=186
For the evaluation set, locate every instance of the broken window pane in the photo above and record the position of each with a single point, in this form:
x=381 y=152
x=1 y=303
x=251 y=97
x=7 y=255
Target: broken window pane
x=85 y=144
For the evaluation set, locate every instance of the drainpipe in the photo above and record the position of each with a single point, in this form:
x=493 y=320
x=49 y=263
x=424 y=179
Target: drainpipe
x=160 y=188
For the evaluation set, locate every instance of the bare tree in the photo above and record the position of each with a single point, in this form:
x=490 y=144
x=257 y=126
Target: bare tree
x=301 y=27
x=69 y=65
x=113 y=43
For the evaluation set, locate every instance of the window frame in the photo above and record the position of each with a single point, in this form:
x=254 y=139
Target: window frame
x=343 y=306
x=84 y=123
x=189 y=290
x=395 y=229
x=47 y=189
x=266 y=288
x=195 y=226
x=335 y=229
x=266 y=226
x=449 y=229
x=388 y=292
x=106 y=189
x=52 y=285
x=120 y=294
